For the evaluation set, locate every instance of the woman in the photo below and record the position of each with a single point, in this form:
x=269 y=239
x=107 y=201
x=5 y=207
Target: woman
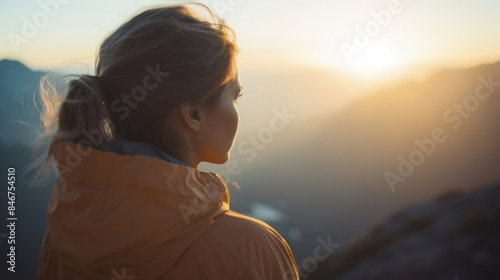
x=129 y=202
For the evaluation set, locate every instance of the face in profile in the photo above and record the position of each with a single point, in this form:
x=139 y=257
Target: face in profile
x=221 y=125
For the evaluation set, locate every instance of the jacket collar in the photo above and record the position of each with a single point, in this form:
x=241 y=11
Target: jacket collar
x=130 y=148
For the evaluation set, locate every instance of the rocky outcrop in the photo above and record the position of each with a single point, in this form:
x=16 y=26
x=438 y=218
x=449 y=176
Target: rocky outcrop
x=457 y=236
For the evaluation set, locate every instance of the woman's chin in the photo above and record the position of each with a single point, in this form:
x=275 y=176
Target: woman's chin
x=220 y=159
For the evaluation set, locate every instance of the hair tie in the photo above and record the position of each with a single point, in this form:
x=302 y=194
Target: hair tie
x=96 y=80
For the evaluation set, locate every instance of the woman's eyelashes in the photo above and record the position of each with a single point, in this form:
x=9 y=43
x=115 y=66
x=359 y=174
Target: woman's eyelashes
x=236 y=99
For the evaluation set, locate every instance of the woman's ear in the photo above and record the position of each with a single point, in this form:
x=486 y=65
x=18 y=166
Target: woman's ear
x=191 y=116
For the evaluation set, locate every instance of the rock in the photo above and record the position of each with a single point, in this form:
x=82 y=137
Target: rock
x=457 y=236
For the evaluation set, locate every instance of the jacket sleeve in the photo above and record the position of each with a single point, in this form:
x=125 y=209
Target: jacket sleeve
x=279 y=253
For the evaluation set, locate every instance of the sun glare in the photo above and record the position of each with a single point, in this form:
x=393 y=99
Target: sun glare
x=374 y=60
x=379 y=60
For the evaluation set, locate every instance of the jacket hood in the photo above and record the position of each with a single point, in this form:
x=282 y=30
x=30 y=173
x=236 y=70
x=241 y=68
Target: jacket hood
x=109 y=210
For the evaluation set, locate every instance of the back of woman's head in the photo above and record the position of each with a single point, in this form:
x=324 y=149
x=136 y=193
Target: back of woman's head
x=144 y=69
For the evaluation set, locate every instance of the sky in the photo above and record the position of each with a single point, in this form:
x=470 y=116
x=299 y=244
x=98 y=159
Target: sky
x=417 y=32
x=376 y=39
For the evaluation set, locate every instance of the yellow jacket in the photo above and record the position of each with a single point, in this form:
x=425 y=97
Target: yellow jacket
x=122 y=217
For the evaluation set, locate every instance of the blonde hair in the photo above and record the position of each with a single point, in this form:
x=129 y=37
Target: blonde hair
x=147 y=66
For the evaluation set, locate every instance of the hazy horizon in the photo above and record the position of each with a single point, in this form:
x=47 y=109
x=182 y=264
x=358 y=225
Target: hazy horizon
x=373 y=42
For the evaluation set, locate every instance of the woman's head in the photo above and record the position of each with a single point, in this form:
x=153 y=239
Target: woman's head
x=163 y=77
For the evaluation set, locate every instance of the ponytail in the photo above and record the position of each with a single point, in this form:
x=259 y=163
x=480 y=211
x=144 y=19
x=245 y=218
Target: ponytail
x=83 y=117
x=78 y=114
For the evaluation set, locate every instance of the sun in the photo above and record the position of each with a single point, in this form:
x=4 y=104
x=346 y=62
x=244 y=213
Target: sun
x=376 y=60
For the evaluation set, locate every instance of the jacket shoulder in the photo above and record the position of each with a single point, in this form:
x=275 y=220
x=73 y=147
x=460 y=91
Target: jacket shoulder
x=246 y=227
x=241 y=247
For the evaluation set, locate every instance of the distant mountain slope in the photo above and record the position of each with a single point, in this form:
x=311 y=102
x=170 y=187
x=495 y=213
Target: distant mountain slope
x=357 y=146
x=18 y=85
x=14 y=76
x=453 y=237
x=373 y=135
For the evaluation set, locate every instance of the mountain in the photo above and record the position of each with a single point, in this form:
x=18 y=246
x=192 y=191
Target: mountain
x=19 y=86
x=376 y=136
x=452 y=237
